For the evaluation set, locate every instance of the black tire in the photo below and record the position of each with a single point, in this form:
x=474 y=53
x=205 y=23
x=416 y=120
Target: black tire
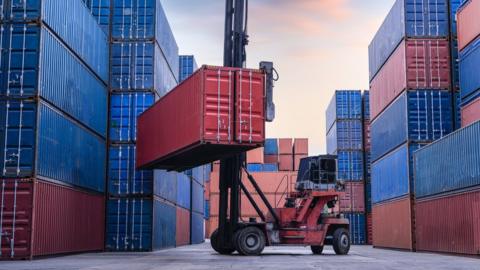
x=216 y=246
x=341 y=241
x=250 y=241
x=317 y=250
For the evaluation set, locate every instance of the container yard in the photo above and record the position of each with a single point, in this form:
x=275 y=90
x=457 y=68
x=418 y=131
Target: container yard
x=163 y=134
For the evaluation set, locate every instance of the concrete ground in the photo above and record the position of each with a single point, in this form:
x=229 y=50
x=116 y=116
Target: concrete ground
x=278 y=258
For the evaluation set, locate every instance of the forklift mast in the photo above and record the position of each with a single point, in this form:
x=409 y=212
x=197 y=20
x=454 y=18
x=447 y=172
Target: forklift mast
x=231 y=168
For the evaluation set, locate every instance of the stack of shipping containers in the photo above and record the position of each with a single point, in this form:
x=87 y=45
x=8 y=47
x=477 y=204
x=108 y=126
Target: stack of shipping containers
x=410 y=104
x=469 y=46
x=198 y=176
x=447 y=179
x=345 y=139
x=367 y=165
x=53 y=151
x=141 y=215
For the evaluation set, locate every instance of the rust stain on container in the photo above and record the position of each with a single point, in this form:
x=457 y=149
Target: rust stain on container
x=449 y=224
x=392 y=225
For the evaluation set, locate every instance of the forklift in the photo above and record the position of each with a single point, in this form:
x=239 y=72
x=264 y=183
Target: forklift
x=308 y=217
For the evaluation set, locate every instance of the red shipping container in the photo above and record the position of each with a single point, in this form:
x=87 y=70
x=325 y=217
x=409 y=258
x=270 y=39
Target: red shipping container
x=392 y=225
x=415 y=64
x=213 y=114
x=366 y=135
x=300 y=146
x=471 y=112
x=255 y=156
x=270 y=159
x=210 y=226
x=49 y=219
x=285 y=162
x=285 y=146
x=182 y=227
x=297 y=159
x=269 y=182
x=468 y=23
x=353 y=199
x=369 y=229
x=449 y=224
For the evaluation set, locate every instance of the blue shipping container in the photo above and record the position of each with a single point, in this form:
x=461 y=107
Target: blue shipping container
x=124 y=110
x=268 y=167
x=345 y=135
x=50 y=145
x=34 y=56
x=345 y=105
x=145 y=20
x=207 y=210
x=350 y=166
x=417 y=116
x=366 y=105
x=198 y=174
x=184 y=186
x=140 y=66
x=100 y=10
x=271 y=147
x=187 y=65
x=129 y=224
x=358 y=227
x=198 y=198
x=392 y=176
x=454 y=5
x=449 y=164
x=165 y=185
x=164 y=225
x=407 y=18
x=74 y=25
x=197 y=232
x=469 y=63
x=123 y=179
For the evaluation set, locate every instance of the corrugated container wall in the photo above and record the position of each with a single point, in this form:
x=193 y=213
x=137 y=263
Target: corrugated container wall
x=392 y=225
x=469 y=81
x=41 y=218
x=449 y=164
x=416 y=116
x=100 y=10
x=455 y=218
x=425 y=65
x=357 y=228
x=164 y=225
x=187 y=66
x=407 y=18
x=468 y=23
x=470 y=112
x=345 y=105
x=147 y=23
x=187 y=145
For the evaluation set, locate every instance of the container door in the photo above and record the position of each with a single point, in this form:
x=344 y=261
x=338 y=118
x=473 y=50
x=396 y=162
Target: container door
x=250 y=110
x=219 y=103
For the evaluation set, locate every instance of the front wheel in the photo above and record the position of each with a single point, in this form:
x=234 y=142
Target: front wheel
x=250 y=241
x=216 y=245
x=317 y=250
x=341 y=241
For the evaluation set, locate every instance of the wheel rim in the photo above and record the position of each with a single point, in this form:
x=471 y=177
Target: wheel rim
x=344 y=241
x=252 y=241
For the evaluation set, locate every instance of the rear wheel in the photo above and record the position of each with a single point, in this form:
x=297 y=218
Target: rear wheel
x=250 y=241
x=216 y=245
x=317 y=250
x=341 y=241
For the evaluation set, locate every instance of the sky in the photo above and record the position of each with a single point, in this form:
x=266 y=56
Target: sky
x=317 y=46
